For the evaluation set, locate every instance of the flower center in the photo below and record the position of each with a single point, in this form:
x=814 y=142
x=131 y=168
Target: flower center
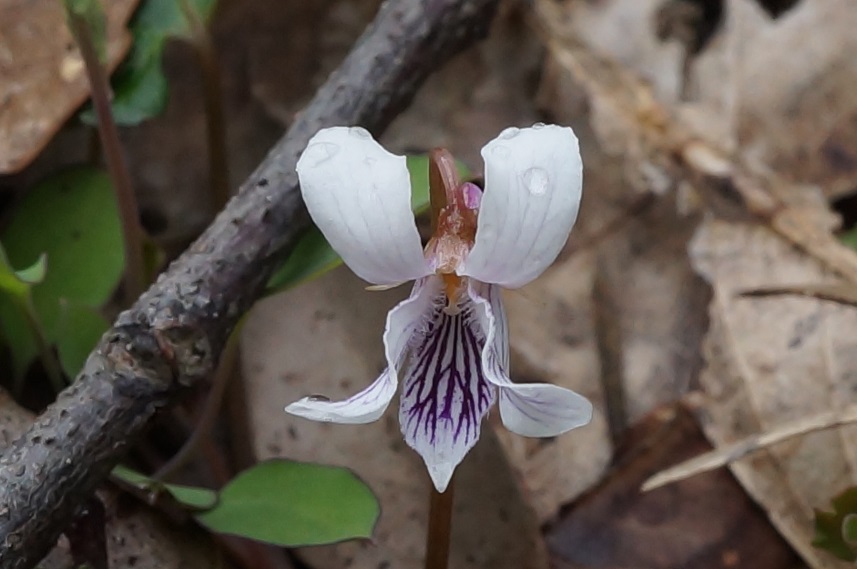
x=454 y=208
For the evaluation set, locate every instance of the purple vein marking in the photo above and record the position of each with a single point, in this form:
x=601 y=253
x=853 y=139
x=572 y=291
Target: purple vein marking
x=446 y=394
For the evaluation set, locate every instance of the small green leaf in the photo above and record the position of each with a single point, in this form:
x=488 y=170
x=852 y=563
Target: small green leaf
x=35 y=273
x=18 y=283
x=139 y=86
x=193 y=497
x=835 y=531
x=313 y=256
x=292 y=504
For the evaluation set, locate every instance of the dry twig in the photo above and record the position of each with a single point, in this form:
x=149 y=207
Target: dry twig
x=173 y=335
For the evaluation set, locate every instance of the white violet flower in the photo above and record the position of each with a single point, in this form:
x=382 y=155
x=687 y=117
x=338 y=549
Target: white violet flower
x=449 y=340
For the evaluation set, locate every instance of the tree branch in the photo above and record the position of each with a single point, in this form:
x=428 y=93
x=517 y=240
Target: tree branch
x=173 y=335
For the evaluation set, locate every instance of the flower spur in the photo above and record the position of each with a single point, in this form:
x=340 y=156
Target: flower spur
x=449 y=340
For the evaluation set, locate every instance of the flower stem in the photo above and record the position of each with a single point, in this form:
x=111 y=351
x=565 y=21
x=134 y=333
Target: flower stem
x=215 y=122
x=100 y=89
x=440 y=522
x=227 y=368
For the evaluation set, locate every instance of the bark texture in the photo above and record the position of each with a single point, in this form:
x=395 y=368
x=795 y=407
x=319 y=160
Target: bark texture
x=172 y=336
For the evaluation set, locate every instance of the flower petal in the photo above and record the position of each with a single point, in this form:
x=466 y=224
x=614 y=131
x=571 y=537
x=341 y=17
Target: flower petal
x=533 y=180
x=528 y=409
x=445 y=394
x=364 y=407
x=359 y=196
x=403 y=321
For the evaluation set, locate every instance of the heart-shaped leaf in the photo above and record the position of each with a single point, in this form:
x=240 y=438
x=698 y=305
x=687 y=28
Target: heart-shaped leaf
x=292 y=504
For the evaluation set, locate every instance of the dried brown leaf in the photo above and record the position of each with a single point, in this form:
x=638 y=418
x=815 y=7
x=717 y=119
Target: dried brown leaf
x=770 y=362
x=42 y=77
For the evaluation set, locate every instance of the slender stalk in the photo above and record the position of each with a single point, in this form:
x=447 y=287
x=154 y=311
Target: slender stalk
x=440 y=522
x=225 y=370
x=135 y=275
x=215 y=122
x=49 y=360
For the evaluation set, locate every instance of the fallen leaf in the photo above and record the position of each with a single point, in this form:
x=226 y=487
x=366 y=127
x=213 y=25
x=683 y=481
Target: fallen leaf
x=706 y=522
x=771 y=361
x=43 y=76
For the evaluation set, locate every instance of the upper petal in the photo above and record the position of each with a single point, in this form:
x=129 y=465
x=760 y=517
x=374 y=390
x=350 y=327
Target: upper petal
x=403 y=321
x=533 y=181
x=359 y=196
x=528 y=409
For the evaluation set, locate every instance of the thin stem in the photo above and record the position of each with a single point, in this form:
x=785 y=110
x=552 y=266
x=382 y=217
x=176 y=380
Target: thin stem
x=440 y=522
x=215 y=122
x=225 y=370
x=136 y=280
x=49 y=359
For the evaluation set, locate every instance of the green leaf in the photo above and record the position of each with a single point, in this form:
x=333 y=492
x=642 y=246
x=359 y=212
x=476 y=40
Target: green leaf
x=139 y=86
x=193 y=497
x=292 y=504
x=313 y=256
x=18 y=283
x=78 y=330
x=71 y=218
x=835 y=531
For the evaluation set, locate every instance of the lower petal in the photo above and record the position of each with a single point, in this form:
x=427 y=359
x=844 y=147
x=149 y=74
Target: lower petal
x=542 y=410
x=445 y=395
x=364 y=407
x=403 y=321
x=528 y=409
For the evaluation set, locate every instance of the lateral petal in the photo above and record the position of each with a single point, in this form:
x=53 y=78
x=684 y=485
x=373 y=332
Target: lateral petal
x=403 y=321
x=359 y=196
x=528 y=409
x=445 y=394
x=533 y=182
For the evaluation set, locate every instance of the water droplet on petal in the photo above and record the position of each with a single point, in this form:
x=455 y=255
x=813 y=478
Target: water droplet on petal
x=359 y=132
x=510 y=132
x=369 y=160
x=501 y=152
x=319 y=398
x=536 y=180
x=320 y=152
x=539 y=125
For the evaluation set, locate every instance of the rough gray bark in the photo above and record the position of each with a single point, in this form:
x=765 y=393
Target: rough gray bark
x=172 y=336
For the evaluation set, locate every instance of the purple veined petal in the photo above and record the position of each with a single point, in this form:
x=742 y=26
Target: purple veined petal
x=445 y=394
x=403 y=321
x=528 y=409
x=359 y=196
x=533 y=181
